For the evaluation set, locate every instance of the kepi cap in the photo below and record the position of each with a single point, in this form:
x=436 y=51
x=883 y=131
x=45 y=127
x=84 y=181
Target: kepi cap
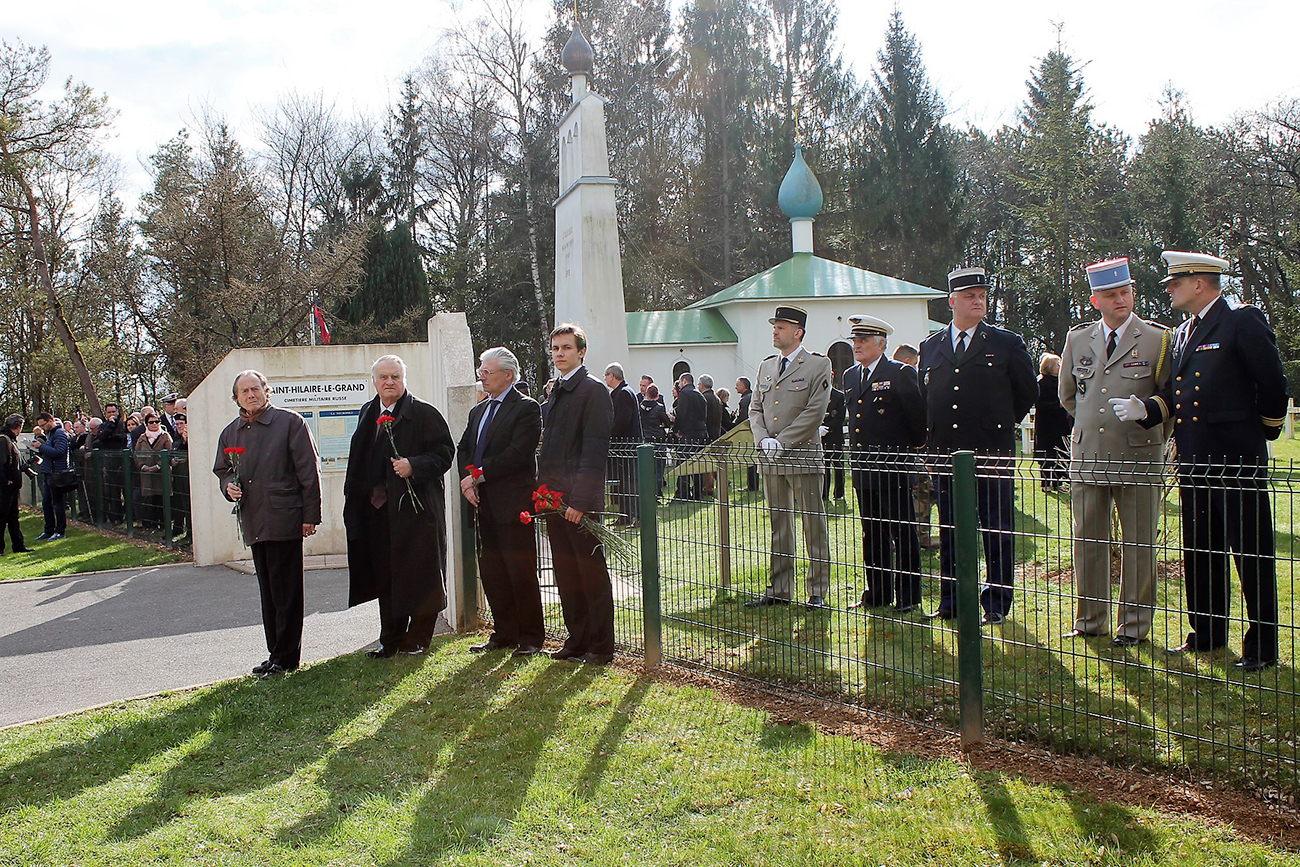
x=795 y=315
x=1111 y=274
x=967 y=278
x=1181 y=264
x=862 y=325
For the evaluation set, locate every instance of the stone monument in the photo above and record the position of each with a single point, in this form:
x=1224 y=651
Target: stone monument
x=588 y=264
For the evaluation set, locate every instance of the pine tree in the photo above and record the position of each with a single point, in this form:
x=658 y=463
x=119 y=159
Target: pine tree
x=905 y=188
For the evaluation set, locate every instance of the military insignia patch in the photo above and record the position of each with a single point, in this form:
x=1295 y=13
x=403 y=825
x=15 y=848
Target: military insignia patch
x=1086 y=360
x=1205 y=346
x=881 y=386
x=1083 y=387
x=1137 y=363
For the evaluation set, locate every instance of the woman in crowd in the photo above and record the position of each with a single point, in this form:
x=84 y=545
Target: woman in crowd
x=148 y=451
x=1052 y=425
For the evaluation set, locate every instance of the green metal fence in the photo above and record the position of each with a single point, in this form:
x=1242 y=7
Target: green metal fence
x=143 y=496
x=701 y=559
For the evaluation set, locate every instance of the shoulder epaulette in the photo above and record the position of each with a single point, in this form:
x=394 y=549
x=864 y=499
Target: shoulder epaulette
x=818 y=354
x=770 y=357
x=1083 y=325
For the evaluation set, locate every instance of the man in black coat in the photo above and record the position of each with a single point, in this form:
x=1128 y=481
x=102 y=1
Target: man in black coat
x=397 y=544
x=745 y=389
x=112 y=439
x=497 y=457
x=625 y=435
x=712 y=425
x=1228 y=398
x=833 y=445
x=575 y=445
x=978 y=383
x=690 y=424
x=886 y=423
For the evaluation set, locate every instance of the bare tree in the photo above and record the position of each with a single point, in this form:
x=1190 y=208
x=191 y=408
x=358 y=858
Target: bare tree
x=38 y=139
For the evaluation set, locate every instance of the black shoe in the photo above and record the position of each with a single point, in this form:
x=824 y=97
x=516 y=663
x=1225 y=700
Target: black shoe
x=905 y=609
x=1079 y=633
x=1126 y=641
x=262 y=667
x=382 y=652
x=764 y=601
x=489 y=645
x=814 y=602
x=993 y=618
x=596 y=658
x=411 y=650
x=275 y=669
x=566 y=653
x=526 y=650
x=942 y=613
x=24 y=551
x=1251 y=663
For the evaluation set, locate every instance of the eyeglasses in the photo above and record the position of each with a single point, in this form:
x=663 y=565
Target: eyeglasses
x=153 y=421
x=483 y=371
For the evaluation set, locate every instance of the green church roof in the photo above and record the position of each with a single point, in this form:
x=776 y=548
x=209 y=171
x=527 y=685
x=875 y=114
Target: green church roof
x=654 y=327
x=807 y=276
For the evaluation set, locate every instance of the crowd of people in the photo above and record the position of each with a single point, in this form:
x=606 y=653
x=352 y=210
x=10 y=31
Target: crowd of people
x=59 y=458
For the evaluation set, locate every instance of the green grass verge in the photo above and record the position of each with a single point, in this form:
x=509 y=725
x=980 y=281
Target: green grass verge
x=85 y=550
x=477 y=760
x=1075 y=695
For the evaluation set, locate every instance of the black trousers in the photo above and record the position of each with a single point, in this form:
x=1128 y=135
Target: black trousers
x=1222 y=515
x=834 y=466
x=54 y=506
x=279 y=577
x=586 y=595
x=9 y=520
x=396 y=628
x=891 y=550
x=508 y=570
x=995 y=506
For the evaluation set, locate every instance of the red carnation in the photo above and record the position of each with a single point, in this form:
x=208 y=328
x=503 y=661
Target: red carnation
x=385 y=419
x=525 y=518
x=236 y=450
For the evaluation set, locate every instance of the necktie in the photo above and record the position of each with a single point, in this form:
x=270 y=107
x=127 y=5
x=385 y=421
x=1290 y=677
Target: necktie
x=961 y=344
x=1110 y=344
x=481 y=447
x=784 y=363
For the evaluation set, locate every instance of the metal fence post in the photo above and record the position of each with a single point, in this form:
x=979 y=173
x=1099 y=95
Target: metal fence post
x=469 y=619
x=165 y=470
x=97 y=463
x=723 y=489
x=651 y=613
x=128 y=494
x=970 y=666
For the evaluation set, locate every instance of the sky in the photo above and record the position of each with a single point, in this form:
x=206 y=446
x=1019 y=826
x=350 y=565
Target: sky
x=162 y=63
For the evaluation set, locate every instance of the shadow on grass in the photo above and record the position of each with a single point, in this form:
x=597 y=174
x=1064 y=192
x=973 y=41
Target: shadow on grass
x=277 y=728
x=245 y=718
x=607 y=744
x=479 y=794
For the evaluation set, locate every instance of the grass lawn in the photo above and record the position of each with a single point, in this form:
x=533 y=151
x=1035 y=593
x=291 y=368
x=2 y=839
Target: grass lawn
x=1130 y=704
x=475 y=760
x=85 y=550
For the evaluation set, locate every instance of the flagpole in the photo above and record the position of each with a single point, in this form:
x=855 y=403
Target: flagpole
x=311 y=322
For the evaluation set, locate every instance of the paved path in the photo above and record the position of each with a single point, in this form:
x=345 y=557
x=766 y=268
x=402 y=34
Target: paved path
x=79 y=641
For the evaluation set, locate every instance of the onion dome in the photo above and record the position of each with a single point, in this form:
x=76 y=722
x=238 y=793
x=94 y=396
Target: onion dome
x=577 y=55
x=800 y=196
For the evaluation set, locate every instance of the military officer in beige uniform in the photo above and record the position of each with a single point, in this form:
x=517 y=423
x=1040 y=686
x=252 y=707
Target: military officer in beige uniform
x=1111 y=461
x=791 y=394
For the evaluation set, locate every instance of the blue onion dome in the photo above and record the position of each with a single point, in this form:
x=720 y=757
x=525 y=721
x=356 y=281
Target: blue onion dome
x=800 y=196
x=577 y=55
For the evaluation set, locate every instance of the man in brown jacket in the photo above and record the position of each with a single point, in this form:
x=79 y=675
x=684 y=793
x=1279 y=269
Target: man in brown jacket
x=266 y=463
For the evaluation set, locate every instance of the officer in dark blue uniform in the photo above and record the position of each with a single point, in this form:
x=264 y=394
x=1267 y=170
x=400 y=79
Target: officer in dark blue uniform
x=1228 y=397
x=886 y=421
x=978 y=382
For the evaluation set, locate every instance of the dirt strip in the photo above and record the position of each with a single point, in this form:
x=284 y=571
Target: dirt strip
x=1206 y=800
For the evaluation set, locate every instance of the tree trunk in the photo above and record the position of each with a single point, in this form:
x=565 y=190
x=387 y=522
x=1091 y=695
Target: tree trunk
x=56 y=308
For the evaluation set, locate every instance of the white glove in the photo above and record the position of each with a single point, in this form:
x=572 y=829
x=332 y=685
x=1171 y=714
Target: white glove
x=1128 y=408
x=771 y=446
x=822 y=430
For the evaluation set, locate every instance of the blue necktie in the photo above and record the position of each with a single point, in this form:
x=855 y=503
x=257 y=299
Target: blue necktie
x=481 y=447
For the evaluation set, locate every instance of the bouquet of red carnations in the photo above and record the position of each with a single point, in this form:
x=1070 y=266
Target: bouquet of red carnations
x=549 y=502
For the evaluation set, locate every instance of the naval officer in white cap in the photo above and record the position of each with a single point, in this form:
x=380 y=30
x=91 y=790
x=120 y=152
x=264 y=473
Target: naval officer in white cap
x=1228 y=397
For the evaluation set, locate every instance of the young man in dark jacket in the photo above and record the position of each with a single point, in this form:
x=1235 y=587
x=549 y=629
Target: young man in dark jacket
x=11 y=483
x=575 y=445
